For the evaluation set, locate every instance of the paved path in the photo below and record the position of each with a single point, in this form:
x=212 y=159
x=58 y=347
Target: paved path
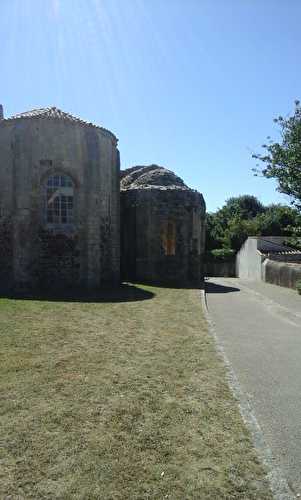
x=259 y=327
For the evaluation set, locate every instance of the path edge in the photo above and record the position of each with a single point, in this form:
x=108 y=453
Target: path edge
x=277 y=481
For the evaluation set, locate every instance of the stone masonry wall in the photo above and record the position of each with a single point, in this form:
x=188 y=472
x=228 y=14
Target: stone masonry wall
x=59 y=260
x=222 y=269
x=162 y=235
x=33 y=253
x=6 y=254
x=281 y=273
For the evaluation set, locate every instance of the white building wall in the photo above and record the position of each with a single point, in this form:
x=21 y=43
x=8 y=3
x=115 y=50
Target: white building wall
x=248 y=260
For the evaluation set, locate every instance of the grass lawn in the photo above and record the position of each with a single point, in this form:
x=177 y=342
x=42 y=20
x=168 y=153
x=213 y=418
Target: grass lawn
x=119 y=397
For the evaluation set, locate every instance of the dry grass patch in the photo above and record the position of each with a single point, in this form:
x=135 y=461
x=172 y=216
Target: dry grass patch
x=119 y=398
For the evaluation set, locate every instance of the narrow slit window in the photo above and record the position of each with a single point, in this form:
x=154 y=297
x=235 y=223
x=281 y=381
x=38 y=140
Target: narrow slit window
x=168 y=237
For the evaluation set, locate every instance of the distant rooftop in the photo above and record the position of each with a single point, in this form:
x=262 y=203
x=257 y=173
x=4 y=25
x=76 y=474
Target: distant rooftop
x=270 y=245
x=56 y=114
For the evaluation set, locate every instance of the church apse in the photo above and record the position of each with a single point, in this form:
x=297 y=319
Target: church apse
x=70 y=218
x=59 y=199
x=162 y=227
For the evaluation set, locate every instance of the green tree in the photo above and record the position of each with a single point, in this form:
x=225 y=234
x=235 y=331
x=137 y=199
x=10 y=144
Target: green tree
x=214 y=231
x=232 y=224
x=243 y=207
x=244 y=216
x=277 y=220
x=237 y=231
x=282 y=159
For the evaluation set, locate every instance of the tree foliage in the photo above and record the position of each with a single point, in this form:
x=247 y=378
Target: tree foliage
x=243 y=207
x=244 y=216
x=282 y=159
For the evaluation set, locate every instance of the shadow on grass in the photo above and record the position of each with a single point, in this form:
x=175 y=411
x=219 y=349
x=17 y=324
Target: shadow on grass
x=214 y=288
x=124 y=293
x=175 y=285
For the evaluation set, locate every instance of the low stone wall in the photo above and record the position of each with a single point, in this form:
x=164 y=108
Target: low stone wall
x=220 y=269
x=281 y=273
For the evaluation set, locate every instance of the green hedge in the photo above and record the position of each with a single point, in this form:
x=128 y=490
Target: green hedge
x=220 y=254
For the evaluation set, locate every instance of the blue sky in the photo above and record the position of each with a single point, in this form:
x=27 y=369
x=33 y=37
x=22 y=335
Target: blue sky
x=192 y=85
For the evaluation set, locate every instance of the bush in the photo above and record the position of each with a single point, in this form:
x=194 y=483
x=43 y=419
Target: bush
x=221 y=254
x=298 y=286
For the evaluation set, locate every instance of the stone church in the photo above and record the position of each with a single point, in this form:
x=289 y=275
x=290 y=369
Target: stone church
x=70 y=218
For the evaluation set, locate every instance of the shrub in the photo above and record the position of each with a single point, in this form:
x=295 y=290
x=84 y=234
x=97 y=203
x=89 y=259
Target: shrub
x=221 y=254
x=298 y=286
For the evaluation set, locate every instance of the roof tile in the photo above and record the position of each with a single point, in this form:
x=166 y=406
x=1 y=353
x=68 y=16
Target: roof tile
x=55 y=113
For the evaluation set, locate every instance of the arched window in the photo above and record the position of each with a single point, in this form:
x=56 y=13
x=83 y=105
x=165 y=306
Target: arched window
x=59 y=200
